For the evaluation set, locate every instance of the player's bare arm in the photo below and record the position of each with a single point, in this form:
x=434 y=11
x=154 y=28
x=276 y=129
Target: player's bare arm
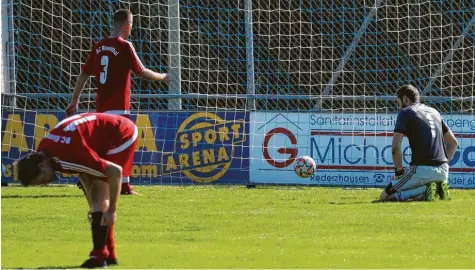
x=150 y=75
x=396 y=149
x=80 y=83
x=397 y=160
x=114 y=174
x=452 y=144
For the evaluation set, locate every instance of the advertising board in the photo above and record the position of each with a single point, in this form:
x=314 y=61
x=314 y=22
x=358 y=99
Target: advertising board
x=172 y=148
x=349 y=149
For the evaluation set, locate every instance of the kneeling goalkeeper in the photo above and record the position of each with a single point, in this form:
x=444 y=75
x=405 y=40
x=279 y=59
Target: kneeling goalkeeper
x=426 y=131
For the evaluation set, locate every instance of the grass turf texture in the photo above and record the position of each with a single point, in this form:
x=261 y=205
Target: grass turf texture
x=235 y=227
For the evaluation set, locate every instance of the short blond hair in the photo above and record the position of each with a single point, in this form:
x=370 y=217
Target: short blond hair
x=121 y=16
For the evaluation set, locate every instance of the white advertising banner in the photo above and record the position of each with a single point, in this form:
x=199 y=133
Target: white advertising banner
x=349 y=149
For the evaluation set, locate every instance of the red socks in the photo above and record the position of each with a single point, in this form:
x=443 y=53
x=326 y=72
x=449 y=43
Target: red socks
x=99 y=235
x=108 y=249
x=126 y=188
x=100 y=254
x=111 y=243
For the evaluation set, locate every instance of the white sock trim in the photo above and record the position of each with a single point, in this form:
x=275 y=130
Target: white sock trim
x=125 y=179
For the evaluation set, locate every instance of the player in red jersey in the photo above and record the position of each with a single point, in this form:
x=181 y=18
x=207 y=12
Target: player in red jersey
x=100 y=148
x=111 y=61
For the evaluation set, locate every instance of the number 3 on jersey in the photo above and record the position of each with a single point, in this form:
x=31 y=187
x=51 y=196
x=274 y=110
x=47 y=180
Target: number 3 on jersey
x=431 y=123
x=104 y=64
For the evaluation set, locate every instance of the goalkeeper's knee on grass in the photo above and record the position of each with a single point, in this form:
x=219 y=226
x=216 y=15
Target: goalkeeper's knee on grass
x=426 y=192
x=386 y=192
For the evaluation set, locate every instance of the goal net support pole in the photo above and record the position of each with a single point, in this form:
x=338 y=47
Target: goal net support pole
x=174 y=104
x=440 y=68
x=7 y=51
x=349 y=51
x=251 y=102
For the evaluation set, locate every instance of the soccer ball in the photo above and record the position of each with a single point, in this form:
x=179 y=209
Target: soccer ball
x=305 y=166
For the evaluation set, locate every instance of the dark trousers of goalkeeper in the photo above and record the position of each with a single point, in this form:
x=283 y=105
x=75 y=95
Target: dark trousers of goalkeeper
x=419 y=183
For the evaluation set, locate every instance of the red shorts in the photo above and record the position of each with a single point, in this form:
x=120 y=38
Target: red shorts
x=124 y=113
x=123 y=154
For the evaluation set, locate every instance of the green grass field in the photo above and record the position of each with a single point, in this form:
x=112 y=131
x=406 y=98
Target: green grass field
x=235 y=227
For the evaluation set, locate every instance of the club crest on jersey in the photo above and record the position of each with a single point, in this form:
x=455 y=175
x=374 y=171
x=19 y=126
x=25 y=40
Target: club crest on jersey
x=204 y=147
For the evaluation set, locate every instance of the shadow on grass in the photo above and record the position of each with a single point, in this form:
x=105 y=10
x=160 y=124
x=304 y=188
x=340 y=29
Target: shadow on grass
x=374 y=202
x=348 y=203
x=60 y=267
x=42 y=196
x=398 y=202
x=54 y=267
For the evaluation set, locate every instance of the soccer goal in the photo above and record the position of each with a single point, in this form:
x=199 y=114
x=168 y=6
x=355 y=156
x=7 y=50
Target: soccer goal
x=255 y=83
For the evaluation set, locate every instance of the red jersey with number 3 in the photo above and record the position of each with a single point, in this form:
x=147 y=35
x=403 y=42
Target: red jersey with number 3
x=111 y=61
x=81 y=143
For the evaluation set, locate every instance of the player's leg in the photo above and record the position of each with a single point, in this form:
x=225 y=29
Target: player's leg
x=393 y=186
x=126 y=188
x=443 y=186
x=421 y=175
x=80 y=185
x=86 y=184
x=124 y=158
x=406 y=187
x=98 y=196
x=438 y=181
x=86 y=181
x=426 y=193
x=407 y=194
x=439 y=175
x=443 y=190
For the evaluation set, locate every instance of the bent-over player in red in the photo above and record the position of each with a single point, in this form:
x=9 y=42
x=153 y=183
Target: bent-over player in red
x=100 y=148
x=110 y=62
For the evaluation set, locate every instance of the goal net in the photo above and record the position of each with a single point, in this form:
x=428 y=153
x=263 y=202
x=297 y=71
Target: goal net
x=257 y=83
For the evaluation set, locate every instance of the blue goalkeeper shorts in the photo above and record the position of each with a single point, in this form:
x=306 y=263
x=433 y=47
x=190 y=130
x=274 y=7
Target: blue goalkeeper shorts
x=417 y=176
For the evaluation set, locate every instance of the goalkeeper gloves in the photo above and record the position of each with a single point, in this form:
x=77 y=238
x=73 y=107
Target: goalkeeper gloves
x=399 y=172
